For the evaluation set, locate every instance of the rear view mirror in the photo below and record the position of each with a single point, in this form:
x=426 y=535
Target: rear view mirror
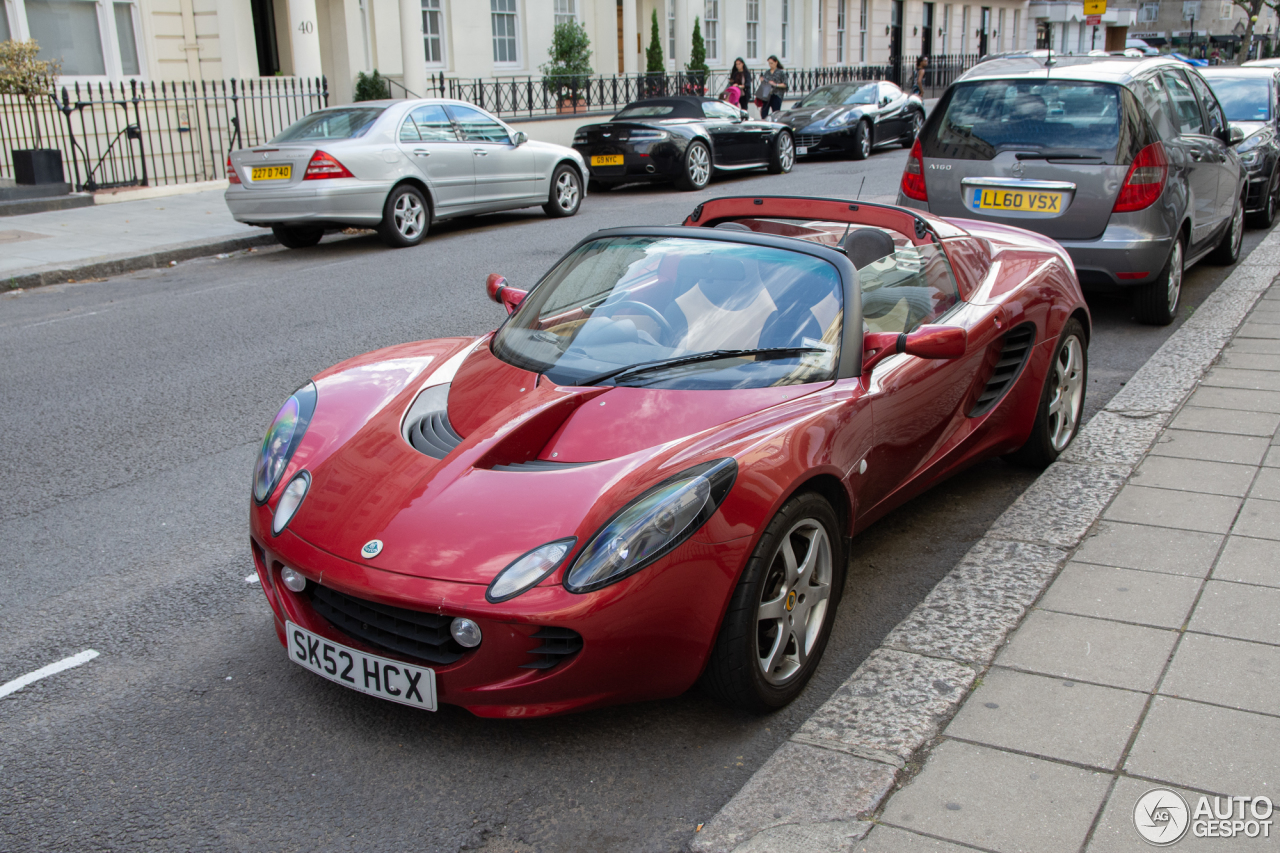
x=1230 y=134
x=924 y=342
x=508 y=297
x=519 y=137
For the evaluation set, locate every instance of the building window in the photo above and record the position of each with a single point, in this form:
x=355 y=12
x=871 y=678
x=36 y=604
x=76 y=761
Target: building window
x=786 y=28
x=565 y=12
x=503 y=14
x=74 y=33
x=711 y=29
x=1000 y=31
x=964 y=30
x=753 y=29
x=1148 y=12
x=5 y=32
x=126 y=40
x=1228 y=9
x=671 y=31
x=862 y=32
x=433 y=31
x=840 y=32
x=1017 y=28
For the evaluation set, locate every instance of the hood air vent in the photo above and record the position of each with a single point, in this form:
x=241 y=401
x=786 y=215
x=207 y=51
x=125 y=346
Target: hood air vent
x=434 y=435
x=1014 y=350
x=539 y=465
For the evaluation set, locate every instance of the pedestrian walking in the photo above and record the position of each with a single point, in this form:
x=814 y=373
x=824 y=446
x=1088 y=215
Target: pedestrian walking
x=917 y=85
x=740 y=77
x=773 y=83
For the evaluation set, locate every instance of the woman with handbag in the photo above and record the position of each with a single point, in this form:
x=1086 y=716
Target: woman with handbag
x=772 y=84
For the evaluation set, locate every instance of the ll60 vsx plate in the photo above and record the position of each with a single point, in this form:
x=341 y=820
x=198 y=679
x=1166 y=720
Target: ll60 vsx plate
x=387 y=679
x=1018 y=201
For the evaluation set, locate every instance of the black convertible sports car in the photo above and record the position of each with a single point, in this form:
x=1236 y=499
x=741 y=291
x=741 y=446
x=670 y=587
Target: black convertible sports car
x=1249 y=96
x=854 y=118
x=682 y=139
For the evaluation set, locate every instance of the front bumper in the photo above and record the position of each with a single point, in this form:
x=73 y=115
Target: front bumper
x=823 y=140
x=1258 y=183
x=342 y=201
x=646 y=637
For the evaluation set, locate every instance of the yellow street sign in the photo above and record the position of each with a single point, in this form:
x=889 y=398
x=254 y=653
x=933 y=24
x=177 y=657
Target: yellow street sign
x=1095 y=7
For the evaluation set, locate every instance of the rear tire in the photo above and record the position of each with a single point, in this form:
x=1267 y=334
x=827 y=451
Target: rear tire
x=695 y=173
x=297 y=237
x=782 y=154
x=917 y=122
x=781 y=613
x=862 y=141
x=406 y=216
x=1061 y=402
x=1156 y=303
x=1228 y=251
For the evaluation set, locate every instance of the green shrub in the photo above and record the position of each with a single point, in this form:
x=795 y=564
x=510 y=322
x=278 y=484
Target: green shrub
x=570 y=65
x=372 y=87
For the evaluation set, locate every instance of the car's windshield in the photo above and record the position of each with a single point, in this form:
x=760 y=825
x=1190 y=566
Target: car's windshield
x=829 y=96
x=621 y=301
x=331 y=124
x=1243 y=98
x=1060 y=116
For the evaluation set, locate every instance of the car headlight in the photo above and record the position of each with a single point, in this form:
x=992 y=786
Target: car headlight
x=282 y=440
x=1249 y=149
x=528 y=570
x=652 y=525
x=1250 y=158
x=287 y=508
x=841 y=119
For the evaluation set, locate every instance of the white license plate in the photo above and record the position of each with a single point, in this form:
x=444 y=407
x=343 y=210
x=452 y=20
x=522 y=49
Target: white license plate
x=387 y=679
x=802 y=150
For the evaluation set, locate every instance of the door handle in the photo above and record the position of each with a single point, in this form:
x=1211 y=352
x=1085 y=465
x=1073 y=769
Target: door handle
x=420 y=152
x=479 y=152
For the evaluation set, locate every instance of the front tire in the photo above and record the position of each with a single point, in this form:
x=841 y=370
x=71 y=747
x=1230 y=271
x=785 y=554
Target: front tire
x=782 y=154
x=1264 y=217
x=862 y=141
x=1156 y=303
x=1228 y=251
x=566 y=192
x=297 y=237
x=696 y=171
x=917 y=122
x=1061 y=402
x=406 y=217
x=782 y=610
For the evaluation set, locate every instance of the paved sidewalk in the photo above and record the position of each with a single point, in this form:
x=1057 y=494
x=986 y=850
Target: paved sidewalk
x=1116 y=631
x=41 y=248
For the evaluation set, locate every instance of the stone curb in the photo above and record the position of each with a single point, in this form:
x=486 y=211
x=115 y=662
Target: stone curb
x=859 y=744
x=110 y=265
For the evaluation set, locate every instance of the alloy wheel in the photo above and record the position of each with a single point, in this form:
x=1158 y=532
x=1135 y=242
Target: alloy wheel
x=916 y=124
x=793 y=603
x=1066 y=394
x=566 y=192
x=1174 y=283
x=1237 y=229
x=786 y=152
x=409 y=216
x=865 y=142
x=699 y=165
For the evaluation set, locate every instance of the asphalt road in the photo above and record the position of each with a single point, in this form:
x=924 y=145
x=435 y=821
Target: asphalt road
x=130 y=411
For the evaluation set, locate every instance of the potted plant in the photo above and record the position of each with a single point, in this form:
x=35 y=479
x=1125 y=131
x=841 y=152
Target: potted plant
x=569 y=70
x=697 y=65
x=22 y=74
x=655 y=66
x=371 y=87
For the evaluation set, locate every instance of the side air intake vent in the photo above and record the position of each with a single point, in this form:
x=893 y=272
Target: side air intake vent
x=557 y=644
x=1014 y=350
x=539 y=465
x=434 y=435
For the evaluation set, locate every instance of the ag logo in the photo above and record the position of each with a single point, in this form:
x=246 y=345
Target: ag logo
x=791 y=600
x=1161 y=817
x=371 y=549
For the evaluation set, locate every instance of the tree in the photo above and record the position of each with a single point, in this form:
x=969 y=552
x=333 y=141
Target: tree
x=1253 y=8
x=653 y=54
x=698 y=53
x=570 y=65
x=22 y=74
x=371 y=87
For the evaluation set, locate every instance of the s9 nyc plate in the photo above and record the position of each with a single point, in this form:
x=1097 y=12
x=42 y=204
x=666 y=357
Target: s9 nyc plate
x=607 y=160
x=387 y=679
x=271 y=173
x=1017 y=201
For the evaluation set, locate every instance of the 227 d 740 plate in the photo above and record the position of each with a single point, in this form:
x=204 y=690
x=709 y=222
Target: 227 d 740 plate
x=392 y=680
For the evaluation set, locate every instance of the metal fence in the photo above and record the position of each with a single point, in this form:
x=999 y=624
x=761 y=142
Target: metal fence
x=152 y=134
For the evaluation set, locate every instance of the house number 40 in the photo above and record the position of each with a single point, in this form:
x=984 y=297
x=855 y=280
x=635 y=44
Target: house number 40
x=306 y=27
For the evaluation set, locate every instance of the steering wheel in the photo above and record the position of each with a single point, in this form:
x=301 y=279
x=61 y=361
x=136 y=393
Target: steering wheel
x=664 y=328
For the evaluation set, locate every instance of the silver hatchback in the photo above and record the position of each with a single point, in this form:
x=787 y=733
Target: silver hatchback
x=1127 y=162
x=397 y=166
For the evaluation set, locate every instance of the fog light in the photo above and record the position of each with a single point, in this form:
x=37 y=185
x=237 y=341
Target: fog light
x=296 y=582
x=466 y=632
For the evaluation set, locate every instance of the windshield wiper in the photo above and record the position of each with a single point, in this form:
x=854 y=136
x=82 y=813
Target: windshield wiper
x=710 y=355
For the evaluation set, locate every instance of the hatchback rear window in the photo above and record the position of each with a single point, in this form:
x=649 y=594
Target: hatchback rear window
x=331 y=124
x=1050 y=117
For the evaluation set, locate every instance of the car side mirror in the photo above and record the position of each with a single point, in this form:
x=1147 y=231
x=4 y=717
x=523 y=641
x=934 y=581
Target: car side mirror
x=1235 y=135
x=508 y=297
x=519 y=137
x=924 y=342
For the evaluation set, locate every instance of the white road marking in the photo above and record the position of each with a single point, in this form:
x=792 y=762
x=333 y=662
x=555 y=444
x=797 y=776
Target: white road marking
x=60 y=319
x=251 y=579
x=46 y=671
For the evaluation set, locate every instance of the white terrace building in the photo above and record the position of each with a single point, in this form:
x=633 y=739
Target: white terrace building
x=99 y=40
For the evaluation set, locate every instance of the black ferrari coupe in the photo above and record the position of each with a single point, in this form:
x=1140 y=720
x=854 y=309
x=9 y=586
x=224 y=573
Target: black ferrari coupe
x=854 y=118
x=682 y=139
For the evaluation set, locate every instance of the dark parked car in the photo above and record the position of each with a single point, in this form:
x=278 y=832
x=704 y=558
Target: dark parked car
x=682 y=139
x=1129 y=163
x=854 y=118
x=1250 y=96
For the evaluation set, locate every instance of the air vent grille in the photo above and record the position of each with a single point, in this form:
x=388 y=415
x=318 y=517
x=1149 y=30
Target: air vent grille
x=425 y=636
x=434 y=435
x=1014 y=349
x=558 y=644
x=539 y=465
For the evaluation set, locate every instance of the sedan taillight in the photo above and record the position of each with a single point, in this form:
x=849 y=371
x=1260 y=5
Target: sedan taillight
x=232 y=177
x=913 y=175
x=1145 y=181
x=324 y=166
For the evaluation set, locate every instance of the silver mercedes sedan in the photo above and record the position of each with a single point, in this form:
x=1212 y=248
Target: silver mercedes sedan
x=397 y=166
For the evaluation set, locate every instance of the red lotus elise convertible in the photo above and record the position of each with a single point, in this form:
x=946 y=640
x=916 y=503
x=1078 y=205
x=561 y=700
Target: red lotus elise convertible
x=653 y=472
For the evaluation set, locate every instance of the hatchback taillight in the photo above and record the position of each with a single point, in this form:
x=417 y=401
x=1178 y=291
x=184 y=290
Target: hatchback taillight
x=324 y=166
x=232 y=177
x=1145 y=181
x=913 y=175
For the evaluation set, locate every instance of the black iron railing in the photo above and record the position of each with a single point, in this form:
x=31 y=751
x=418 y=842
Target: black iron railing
x=152 y=134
